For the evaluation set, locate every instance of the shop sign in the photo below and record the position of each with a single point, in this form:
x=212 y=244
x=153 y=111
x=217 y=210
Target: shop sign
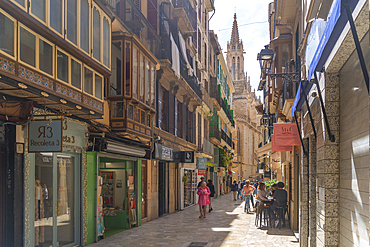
x=183 y=156
x=261 y=171
x=267 y=174
x=276 y=148
x=73 y=133
x=202 y=163
x=189 y=157
x=163 y=153
x=45 y=136
x=286 y=134
x=202 y=172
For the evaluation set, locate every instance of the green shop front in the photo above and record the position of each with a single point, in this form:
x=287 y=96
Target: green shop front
x=54 y=182
x=114 y=195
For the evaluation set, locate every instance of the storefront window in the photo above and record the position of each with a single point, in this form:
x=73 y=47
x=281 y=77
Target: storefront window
x=38 y=8
x=189 y=193
x=54 y=198
x=75 y=74
x=85 y=24
x=62 y=66
x=56 y=12
x=115 y=81
x=88 y=81
x=96 y=34
x=45 y=57
x=27 y=47
x=134 y=72
x=72 y=21
x=6 y=34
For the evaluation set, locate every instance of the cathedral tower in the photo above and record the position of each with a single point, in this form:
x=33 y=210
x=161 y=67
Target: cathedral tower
x=235 y=57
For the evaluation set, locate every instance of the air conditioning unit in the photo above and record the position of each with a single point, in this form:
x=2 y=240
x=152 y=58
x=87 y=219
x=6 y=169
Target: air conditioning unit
x=271 y=8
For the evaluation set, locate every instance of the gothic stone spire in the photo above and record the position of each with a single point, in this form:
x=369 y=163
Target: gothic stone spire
x=235 y=33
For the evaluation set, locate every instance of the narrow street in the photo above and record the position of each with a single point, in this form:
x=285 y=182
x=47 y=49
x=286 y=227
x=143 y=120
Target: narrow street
x=227 y=225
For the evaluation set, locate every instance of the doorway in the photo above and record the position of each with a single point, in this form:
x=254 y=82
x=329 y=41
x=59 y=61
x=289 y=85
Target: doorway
x=163 y=189
x=144 y=188
x=57 y=199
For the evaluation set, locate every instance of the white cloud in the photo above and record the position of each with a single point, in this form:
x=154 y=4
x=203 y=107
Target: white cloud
x=254 y=35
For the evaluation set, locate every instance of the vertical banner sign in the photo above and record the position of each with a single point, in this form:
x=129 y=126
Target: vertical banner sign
x=202 y=163
x=45 y=136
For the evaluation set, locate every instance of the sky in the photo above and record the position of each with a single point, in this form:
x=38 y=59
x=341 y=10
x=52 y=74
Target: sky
x=253 y=30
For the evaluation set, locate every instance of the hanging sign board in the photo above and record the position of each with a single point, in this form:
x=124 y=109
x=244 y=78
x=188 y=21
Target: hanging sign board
x=202 y=172
x=202 y=163
x=45 y=136
x=276 y=148
x=286 y=134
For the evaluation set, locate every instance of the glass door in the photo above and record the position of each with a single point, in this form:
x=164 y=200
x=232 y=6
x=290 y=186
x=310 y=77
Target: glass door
x=57 y=179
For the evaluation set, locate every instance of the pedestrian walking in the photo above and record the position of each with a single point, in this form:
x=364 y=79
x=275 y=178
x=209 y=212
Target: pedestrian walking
x=247 y=192
x=234 y=189
x=201 y=181
x=239 y=189
x=212 y=195
x=242 y=187
x=203 y=201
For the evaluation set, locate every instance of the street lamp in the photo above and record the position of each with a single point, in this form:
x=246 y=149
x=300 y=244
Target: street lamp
x=265 y=119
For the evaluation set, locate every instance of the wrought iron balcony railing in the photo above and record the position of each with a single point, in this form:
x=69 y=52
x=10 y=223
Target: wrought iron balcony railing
x=226 y=138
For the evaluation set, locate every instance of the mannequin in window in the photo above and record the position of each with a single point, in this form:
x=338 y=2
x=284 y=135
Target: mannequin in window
x=39 y=214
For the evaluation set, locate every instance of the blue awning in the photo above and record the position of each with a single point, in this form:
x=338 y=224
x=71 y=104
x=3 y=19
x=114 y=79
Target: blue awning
x=335 y=24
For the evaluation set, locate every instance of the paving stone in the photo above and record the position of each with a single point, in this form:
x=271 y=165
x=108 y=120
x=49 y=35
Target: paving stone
x=227 y=225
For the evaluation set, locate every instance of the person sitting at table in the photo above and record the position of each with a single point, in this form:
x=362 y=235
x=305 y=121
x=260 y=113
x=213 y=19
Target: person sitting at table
x=261 y=197
x=280 y=200
x=273 y=189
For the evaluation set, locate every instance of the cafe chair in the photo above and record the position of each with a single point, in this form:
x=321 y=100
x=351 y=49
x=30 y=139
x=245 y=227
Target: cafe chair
x=280 y=212
x=265 y=212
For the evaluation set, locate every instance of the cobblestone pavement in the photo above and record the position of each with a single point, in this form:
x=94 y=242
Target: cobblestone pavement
x=227 y=225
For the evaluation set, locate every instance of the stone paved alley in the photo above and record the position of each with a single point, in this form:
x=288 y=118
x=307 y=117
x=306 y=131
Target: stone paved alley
x=227 y=225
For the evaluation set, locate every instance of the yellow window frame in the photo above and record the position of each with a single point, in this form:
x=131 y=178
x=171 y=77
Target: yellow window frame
x=92 y=33
x=89 y=28
x=124 y=110
x=94 y=73
x=70 y=57
x=20 y=6
x=47 y=17
x=63 y=19
x=14 y=33
x=109 y=40
x=37 y=50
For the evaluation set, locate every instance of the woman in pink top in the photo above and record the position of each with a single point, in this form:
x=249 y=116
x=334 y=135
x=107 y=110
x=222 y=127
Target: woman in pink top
x=247 y=192
x=203 y=200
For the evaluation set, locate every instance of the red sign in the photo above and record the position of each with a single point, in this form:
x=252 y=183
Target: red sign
x=276 y=148
x=286 y=134
x=202 y=172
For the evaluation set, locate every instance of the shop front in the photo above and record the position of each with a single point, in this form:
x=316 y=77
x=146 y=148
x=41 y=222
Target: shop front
x=115 y=193
x=55 y=165
x=177 y=178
